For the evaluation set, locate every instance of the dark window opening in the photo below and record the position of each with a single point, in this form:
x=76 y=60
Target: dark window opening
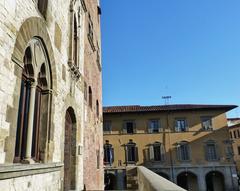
x=235 y=135
x=97 y=108
x=75 y=44
x=107 y=126
x=42 y=7
x=90 y=96
x=157 y=152
x=108 y=154
x=131 y=153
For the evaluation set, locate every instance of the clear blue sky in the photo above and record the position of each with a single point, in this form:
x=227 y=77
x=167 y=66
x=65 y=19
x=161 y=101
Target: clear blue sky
x=189 y=49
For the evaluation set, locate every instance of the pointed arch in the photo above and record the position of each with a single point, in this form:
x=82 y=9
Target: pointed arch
x=34 y=27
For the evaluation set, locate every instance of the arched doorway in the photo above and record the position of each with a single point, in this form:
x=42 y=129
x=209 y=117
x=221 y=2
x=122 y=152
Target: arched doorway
x=164 y=175
x=188 y=181
x=70 y=150
x=215 y=181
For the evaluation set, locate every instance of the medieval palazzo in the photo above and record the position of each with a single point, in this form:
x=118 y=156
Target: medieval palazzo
x=50 y=95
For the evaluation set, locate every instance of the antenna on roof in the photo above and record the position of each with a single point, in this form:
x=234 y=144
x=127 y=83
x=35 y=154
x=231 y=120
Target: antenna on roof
x=166 y=99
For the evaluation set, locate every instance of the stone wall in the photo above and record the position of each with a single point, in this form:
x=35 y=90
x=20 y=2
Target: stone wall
x=20 y=21
x=43 y=182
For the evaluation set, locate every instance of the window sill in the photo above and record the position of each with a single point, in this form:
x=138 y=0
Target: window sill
x=8 y=171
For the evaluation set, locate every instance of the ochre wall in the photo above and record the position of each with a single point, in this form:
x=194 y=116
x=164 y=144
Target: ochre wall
x=195 y=136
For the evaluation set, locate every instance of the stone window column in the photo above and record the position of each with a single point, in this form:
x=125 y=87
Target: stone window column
x=30 y=122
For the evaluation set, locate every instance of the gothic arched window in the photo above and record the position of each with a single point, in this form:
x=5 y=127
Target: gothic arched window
x=34 y=104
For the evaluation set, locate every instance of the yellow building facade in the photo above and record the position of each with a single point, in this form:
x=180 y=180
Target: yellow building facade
x=234 y=131
x=187 y=144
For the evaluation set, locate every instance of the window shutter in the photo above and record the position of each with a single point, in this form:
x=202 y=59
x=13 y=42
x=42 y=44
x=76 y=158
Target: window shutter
x=134 y=127
x=206 y=152
x=149 y=127
x=151 y=153
x=162 y=152
x=176 y=127
x=136 y=154
x=126 y=154
x=178 y=151
x=112 y=150
x=188 y=152
x=186 y=123
x=159 y=126
x=227 y=152
x=124 y=130
x=217 y=152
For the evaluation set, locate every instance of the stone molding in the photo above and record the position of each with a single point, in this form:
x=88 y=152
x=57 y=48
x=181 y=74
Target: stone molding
x=34 y=27
x=20 y=170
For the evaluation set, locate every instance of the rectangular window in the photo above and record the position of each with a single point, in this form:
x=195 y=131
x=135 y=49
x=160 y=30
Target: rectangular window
x=229 y=152
x=231 y=135
x=107 y=126
x=238 y=150
x=235 y=134
x=184 y=152
x=238 y=132
x=211 y=152
x=108 y=154
x=206 y=123
x=132 y=153
x=129 y=127
x=180 y=125
x=157 y=153
x=90 y=33
x=153 y=126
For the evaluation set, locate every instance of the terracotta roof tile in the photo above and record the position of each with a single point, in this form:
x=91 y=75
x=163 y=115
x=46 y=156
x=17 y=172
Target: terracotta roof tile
x=157 y=108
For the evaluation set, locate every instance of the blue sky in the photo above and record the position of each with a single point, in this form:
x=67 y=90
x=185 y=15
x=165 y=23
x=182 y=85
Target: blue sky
x=189 y=49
